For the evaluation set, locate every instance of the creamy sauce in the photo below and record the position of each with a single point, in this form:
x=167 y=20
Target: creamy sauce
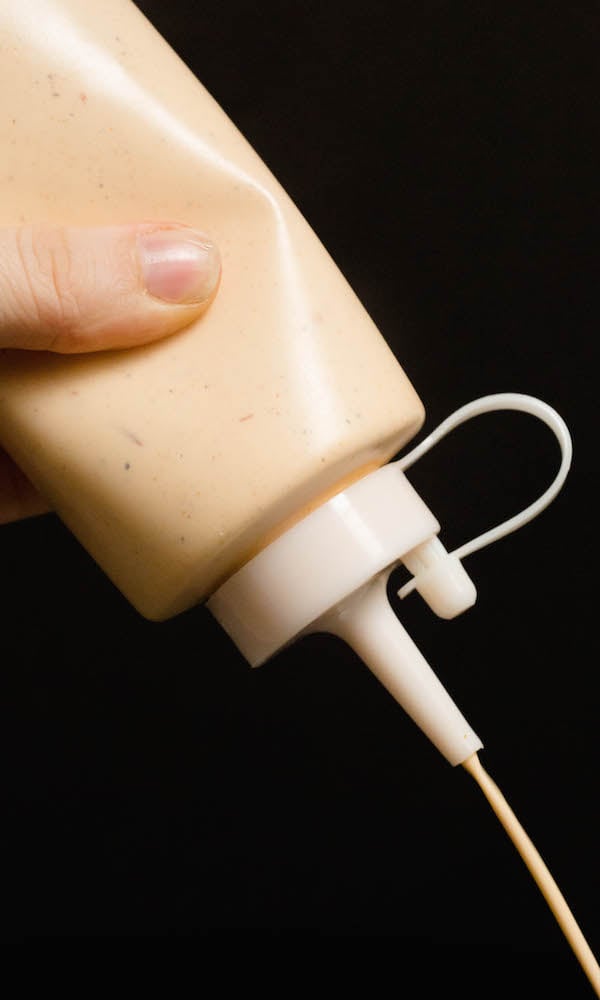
x=538 y=870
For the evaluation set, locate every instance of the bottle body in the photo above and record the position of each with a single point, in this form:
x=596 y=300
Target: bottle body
x=176 y=462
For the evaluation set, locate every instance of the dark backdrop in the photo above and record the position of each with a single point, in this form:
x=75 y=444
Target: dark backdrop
x=153 y=784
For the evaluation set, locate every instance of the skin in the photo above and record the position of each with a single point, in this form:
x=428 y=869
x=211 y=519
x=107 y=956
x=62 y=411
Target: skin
x=76 y=289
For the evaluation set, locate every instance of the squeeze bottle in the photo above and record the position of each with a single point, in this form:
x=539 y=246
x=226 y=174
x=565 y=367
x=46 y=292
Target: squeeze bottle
x=176 y=463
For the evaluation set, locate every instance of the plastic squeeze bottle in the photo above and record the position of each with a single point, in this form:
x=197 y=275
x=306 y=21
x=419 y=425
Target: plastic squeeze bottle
x=242 y=461
x=176 y=463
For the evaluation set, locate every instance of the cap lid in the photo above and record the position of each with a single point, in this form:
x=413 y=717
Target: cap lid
x=440 y=578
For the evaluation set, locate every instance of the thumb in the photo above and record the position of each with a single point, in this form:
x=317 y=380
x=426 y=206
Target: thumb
x=70 y=289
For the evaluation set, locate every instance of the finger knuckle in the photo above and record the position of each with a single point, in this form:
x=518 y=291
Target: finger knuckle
x=49 y=273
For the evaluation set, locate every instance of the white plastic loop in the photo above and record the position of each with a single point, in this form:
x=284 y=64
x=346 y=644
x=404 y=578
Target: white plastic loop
x=487 y=404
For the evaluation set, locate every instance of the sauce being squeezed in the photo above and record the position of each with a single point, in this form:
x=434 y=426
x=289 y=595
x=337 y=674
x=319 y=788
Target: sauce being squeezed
x=538 y=870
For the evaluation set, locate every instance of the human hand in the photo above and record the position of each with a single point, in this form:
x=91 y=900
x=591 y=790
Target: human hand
x=75 y=290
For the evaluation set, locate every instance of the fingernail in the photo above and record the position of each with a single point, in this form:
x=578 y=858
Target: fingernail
x=179 y=265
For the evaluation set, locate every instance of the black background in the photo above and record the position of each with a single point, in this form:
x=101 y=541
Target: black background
x=153 y=784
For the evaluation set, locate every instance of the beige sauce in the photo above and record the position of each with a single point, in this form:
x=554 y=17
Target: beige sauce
x=538 y=870
x=176 y=462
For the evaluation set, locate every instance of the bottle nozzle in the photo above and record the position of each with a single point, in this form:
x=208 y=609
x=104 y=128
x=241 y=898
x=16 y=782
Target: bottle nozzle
x=366 y=621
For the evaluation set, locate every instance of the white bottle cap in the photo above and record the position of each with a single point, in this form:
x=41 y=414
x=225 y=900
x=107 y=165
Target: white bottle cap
x=329 y=573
